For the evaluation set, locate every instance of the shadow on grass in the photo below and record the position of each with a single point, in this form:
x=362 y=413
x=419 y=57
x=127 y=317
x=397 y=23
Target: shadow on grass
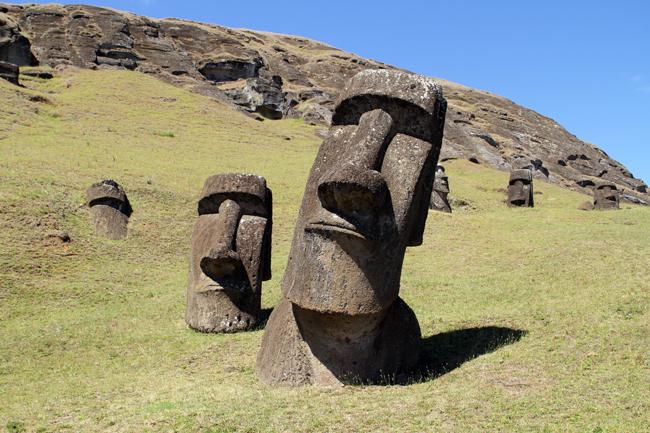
x=445 y=352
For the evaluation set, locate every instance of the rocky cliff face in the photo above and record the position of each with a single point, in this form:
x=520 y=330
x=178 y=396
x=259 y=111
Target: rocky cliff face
x=280 y=76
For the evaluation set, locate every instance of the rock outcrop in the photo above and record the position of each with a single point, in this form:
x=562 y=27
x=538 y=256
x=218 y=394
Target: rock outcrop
x=286 y=76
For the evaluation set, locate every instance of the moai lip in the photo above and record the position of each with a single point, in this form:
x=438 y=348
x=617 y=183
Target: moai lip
x=109 y=209
x=440 y=194
x=520 y=189
x=231 y=253
x=341 y=319
x=606 y=196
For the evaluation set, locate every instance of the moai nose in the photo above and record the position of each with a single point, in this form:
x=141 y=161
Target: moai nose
x=356 y=186
x=222 y=260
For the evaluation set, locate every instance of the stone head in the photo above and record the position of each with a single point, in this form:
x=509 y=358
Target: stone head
x=109 y=209
x=367 y=195
x=606 y=196
x=520 y=188
x=231 y=253
x=441 y=183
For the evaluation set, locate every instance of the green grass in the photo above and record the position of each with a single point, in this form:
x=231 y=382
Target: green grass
x=92 y=336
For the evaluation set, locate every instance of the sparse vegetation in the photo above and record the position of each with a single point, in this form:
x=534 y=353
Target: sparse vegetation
x=534 y=319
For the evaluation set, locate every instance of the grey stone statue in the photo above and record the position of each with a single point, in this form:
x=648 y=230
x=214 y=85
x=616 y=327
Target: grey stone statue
x=341 y=319
x=231 y=254
x=440 y=194
x=520 y=189
x=109 y=209
x=606 y=196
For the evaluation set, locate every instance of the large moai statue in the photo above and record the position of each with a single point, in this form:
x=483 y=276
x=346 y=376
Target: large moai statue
x=109 y=209
x=231 y=254
x=520 y=188
x=606 y=196
x=439 y=196
x=341 y=319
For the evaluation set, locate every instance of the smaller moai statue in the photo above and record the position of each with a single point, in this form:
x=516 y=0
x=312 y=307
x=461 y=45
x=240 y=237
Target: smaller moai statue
x=439 y=196
x=520 y=188
x=231 y=254
x=606 y=196
x=109 y=209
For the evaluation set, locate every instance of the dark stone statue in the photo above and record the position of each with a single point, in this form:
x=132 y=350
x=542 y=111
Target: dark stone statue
x=231 y=254
x=520 y=189
x=341 y=319
x=439 y=196
x=109 y=209
x=606 y=196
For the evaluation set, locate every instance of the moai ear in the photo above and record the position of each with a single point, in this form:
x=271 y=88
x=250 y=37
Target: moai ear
x=421 y=204
x=267 y=246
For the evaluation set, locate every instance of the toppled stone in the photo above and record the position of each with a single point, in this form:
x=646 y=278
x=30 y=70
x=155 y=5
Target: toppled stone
x=341 y=319
x=520 y=189
x=109 y=209
x=231 y=254
x=43 y=75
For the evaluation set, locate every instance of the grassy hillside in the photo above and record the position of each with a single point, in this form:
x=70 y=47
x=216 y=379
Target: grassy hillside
x=534 y=319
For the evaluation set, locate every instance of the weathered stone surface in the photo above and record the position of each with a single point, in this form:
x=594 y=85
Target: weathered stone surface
x=9 y=72
x=14 y=46
x=223 y=63
x=231 y=254
x=109 y=209
x=520 y=189
x=341 y=319
x=606 y=196
x=440 y=193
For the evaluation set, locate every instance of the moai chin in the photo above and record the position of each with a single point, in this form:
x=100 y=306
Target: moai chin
x=231 y=254
x=109 y=209
x=606 y=196
x=439 y=196
x=520 y=188
x=340 y=319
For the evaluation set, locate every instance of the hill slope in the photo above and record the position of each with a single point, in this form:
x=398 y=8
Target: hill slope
x=539 y=317
x=286 y=76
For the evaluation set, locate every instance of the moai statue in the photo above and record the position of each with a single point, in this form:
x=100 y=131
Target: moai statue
x=520 y=189
x=340 y=319
x=109 y=209
x=231 y=254
x=606 y=196
x=439 y=196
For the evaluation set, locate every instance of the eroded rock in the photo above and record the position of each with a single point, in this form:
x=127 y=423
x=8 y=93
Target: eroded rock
x=231 y=254
x=341 y=319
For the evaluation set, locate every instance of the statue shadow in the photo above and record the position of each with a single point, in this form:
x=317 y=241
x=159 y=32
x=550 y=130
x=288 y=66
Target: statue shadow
x=447 y=351
x=264 y=318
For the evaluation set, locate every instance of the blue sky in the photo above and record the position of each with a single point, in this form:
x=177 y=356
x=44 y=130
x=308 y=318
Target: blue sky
x=583 y=63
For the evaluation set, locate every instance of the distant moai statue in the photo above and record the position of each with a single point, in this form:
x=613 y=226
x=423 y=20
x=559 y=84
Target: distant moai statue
x=606 y=196
x=109 y=209
x=341 y=319
x=231 y=254
x=439 y=196
x=520 y=188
